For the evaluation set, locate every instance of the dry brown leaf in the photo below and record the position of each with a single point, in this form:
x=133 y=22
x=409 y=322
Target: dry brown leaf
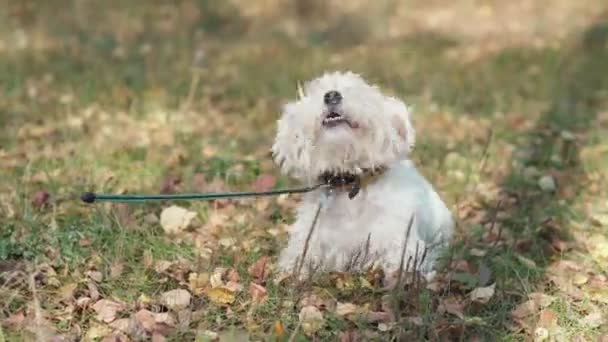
x=198 y=282
x=221 y=295
x=124 y=325
x=453 y=306
x=541 y=300
x=107 y=310
x=148 y=259
x=524 y=309
x=232 y=275
x=347 y=309
x=40 y=199
x=233 y=286
x=16 y=319
x=594 y=319
x=258 y=292
x=175 y=219
x=259 y=270
x=66 y=292
x=176 y=299
x=97 y=331
x=311 y=319
x=116 y=270
x=216 y=279
x=115 y=337
x=96 y=276
x=93 y=291
x=83 y=302
x=483 y=294
x=264 y=183
x=154 y=322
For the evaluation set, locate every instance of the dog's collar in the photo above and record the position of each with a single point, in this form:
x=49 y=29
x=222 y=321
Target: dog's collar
x=353 y=182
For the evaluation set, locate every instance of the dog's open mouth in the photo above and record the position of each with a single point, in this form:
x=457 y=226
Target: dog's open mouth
x=333 y=119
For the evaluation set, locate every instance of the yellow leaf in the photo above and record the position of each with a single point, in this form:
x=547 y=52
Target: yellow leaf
x=279 y=329
x=311 y=319
x=580 y=279
x=221 y=295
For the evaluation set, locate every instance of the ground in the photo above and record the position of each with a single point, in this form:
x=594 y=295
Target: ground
x=511 y=108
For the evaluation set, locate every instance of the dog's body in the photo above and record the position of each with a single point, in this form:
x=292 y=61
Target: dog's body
x=343 y=126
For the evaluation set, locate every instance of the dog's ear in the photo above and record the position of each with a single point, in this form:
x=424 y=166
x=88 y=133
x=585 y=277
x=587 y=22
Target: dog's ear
x=405 y=130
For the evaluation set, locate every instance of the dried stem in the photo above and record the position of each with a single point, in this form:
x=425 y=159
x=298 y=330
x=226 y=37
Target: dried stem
x=308 y=237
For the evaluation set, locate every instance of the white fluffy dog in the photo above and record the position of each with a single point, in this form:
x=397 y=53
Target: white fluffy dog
x=346 y=133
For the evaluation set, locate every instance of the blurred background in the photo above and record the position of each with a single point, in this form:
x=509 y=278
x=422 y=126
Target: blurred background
x=510 y=103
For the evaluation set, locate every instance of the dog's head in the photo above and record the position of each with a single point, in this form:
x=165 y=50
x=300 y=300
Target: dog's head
x=340 y=123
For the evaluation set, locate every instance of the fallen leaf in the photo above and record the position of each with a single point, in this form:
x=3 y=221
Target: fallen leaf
x=97 y=331
x=526 y=261
x=483 y=294
x=115 y=337
x=95 y=276
x=541 y=300
x=153 y=322
x=107 y=310
x=216 y=278
x=170 y=184
x=233 y=286
x=279 y=329
x=346 y=309
x=207 y=335
x=232 y=275
x=478 y=252
x=311 y=319
x=258 y=292
x=124 y=325
x=453 y=306
x=198 y=282
x=176 y=299
x=40 y=199
x=221 y=295
x=594 y=319
x=176 y=219
x=264 y=183
x=148 y=258
x=116 y=270
x=524 y=309
x=541 y=334
x=83 y=302
x=66 y=292
x=377 y=317
x=580 y=279
x=16 y=319
x=547 y=183
x=259 y=270
x=93 y=291
x=547 y=319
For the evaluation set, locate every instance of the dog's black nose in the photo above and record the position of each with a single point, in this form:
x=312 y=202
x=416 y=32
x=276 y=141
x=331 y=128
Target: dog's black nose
x=332 y=98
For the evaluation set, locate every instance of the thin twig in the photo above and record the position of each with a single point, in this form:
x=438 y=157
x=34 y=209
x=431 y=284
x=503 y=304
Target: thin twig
x=494 y=219
x=403 y=250
x=36 y=307
x=196 y=76
x=295 y=332
x=307 y=242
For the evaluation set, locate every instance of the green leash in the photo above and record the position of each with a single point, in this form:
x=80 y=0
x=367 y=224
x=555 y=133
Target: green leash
x=91 y=197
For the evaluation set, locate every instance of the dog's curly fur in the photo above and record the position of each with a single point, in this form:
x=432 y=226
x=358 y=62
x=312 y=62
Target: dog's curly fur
x=370 y=130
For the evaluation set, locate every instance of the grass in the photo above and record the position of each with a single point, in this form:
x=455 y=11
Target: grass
x=100 y=97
